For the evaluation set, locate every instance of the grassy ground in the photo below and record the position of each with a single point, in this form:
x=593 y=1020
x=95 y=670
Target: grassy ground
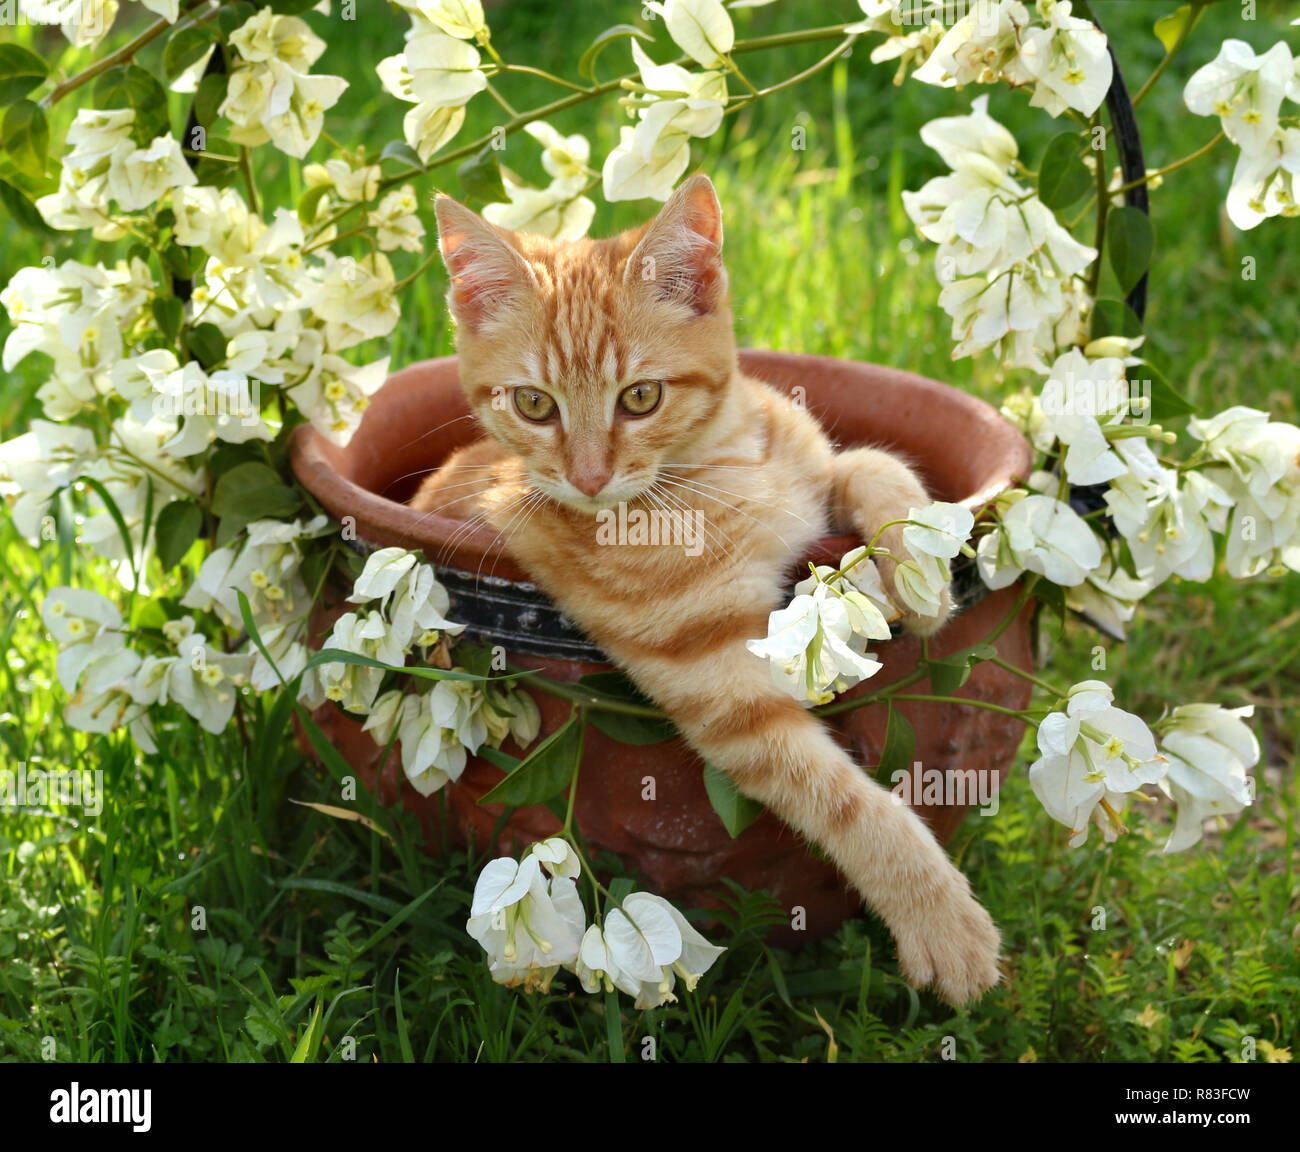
x=99 y=955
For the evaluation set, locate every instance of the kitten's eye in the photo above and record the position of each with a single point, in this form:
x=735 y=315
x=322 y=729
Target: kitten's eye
x=534 y=404
x=641 y=399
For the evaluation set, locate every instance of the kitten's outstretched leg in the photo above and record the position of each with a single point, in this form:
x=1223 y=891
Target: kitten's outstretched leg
x=870 y=487
x=783 y=756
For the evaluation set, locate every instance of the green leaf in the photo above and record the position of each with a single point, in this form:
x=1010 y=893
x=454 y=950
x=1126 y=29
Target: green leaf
x=252 y=492
x=638 y=730
x=309 y=205
x=1113 y=317
x=167 y=313
x=736 y=810
x=1062 y=177
x=233 y=16
x=21 y=70
x=185 y=46
x=587 y=65
x=480 y=176
x=900 y=744
x=176 y=528
x=1173 y=27
x=1167 y=403
x=130 y=86
x=211 y=94
x=25 y=136
x=544 y=773
x=23 y=211
x=401 y=150
x=206 y=342
x=181 y=263
x=291 y=7
x=1131 y=240
x=948 y=673
x=615 y=688
x=309 y=1042
x=342 y=656
x=218 y=173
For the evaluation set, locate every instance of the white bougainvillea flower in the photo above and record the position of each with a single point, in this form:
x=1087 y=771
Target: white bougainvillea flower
x=921 y=583
x=1264 y=183
x=203 y=680
x=564 y=157
x=860 y=591
x=1068 y=61
x=1244 y=90
x=1168 y=524
x=382 y=573
x=530 y=927
x=428 y=128
x=677 y=106
x=395 y=221
x=812 y=647
x=137 y=177
x=460 y=18
x=1210 y=750
x=431 y=754
x=958 y=138
x=270 y=95
x=457 y=707
x=86 y=626
x=104 y=700
x=649 y=943
x=1261 y=454
x=34 y=466
x=265 y=567
x=354 y=686
x=863 y=576
x=409 y=592
x=554 y=212
x=511 y=713
x=1092 y=755
x=557 y=857
x=983 y=47
x=700 y=28
x=1039 y=534
x=629 y=174
x=1256 y=461
x=219 y=406
x=351 y=183
x=938 y=530
x=357 y=299
x=1109 y=596
x=444 y=72
x=597 y=965
x=83 y=22
x=1080 y=399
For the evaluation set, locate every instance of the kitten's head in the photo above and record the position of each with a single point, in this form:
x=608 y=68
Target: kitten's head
x=597 y=361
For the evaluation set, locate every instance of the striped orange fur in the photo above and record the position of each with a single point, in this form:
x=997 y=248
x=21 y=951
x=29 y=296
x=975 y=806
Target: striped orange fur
x=581 y=322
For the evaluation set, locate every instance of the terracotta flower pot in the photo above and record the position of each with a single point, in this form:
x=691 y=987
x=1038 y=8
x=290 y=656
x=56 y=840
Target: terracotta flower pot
x=676 y=842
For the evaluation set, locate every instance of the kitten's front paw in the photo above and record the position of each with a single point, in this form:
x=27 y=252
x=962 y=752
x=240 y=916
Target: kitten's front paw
x=953 y=946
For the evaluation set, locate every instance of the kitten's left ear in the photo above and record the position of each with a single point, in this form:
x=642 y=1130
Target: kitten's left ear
x=680 y=256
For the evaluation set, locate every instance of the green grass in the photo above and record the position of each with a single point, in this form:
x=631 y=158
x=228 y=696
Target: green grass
x=304 y=915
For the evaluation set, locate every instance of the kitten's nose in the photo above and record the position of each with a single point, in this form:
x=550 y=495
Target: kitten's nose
x=589 y=480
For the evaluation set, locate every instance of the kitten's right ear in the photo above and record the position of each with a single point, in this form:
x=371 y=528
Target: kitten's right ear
x=489 y=277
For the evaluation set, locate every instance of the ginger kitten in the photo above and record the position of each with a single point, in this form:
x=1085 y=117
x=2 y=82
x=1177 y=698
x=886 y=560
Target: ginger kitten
x=605 y=371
